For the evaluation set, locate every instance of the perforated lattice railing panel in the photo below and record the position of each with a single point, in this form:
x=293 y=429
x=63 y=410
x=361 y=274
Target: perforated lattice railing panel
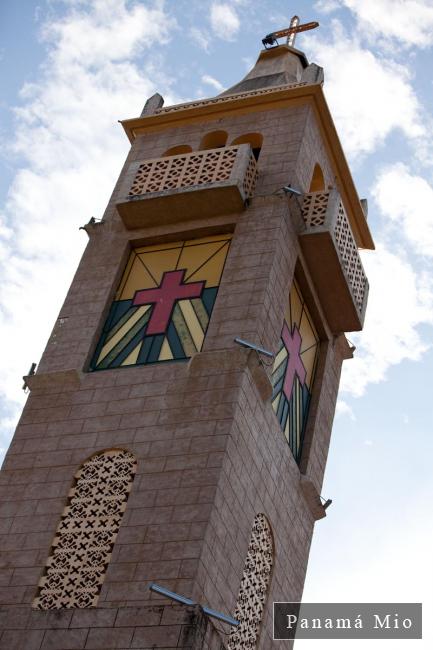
x=314 y=212
x=184 y=170
x=254 y=586
x=314 y=208
x=250 y=179
x=350 y=257
x=82 y=546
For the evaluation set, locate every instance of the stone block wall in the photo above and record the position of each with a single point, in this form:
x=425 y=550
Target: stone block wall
x=140 y=628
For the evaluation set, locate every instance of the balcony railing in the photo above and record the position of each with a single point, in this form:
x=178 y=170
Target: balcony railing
x=186 y=186
x=333 y=260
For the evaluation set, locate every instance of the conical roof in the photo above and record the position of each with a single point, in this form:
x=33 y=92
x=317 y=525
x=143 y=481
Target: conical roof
x=276 y=66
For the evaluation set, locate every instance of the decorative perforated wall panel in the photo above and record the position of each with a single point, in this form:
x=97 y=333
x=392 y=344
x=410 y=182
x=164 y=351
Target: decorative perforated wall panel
x=254 y=586
x=86 y=533
x=190 y=169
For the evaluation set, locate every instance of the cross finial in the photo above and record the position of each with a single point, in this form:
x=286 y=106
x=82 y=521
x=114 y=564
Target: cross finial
x=272 y=39
x=292 y=36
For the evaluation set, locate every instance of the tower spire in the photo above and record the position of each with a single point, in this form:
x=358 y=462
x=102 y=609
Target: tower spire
x=145 y=453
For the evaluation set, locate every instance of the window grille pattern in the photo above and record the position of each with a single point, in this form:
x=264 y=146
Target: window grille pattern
x=163 y=304
x=184 y=170
x=254 y=587
x=294 y=370
x=229 y=98
x=81 y=549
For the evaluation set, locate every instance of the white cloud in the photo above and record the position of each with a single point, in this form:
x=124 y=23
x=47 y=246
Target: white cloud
x=224 y=21
x=200 y=37
x=207 y=79
x=110 y=29
x=369 y=97
x=71 y=149
x=408 y=21
x=400 y=300
x=344 y=409
x=327 y=6
x=407 y=201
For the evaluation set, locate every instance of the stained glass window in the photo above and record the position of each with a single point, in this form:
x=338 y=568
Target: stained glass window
x=163 y=304
x=293 y=371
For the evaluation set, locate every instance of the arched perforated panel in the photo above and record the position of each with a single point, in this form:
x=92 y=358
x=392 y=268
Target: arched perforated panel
x=254 y=586
x=81 y=549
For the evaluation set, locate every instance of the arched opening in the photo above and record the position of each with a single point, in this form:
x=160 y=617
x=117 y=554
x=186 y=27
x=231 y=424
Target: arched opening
x=254 y=139
x=317 y=181
x=214 y=140
x=180 y=148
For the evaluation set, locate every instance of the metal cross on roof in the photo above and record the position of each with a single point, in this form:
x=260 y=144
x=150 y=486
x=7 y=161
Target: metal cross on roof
x=272 y=39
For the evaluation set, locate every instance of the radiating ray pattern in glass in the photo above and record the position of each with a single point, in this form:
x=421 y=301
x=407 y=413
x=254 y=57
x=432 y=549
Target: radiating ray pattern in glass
x=294 y=369
x=164 y=302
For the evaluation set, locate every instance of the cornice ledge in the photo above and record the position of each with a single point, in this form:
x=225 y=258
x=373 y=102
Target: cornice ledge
x=227 y=360
x=233 y=360
x=56 y=381
x=312 y=497
x=212 y=105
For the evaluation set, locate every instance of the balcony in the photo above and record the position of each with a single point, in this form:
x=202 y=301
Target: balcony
x=333 y=261
x=187 y=186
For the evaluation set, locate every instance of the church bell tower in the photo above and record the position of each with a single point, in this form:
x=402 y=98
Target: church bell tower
x=177 y=428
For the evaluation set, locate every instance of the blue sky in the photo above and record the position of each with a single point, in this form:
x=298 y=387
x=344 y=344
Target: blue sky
x=71 y=69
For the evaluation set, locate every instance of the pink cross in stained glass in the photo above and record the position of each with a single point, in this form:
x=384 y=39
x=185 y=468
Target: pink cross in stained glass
x=294 y=364
x=164 y=298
